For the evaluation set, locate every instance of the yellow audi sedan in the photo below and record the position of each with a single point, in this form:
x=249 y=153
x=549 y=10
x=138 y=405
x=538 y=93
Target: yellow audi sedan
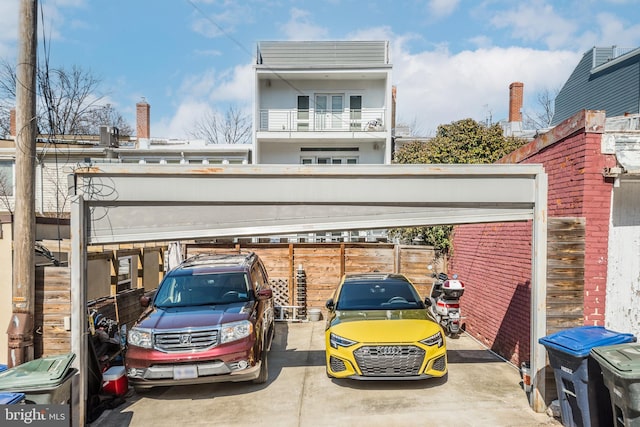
x=378 y=328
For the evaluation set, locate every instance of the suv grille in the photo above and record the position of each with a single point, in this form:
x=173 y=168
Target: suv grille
x=389 y=360
x=186 y=340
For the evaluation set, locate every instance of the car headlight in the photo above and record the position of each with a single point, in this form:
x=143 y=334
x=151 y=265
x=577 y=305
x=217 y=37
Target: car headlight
x=235 y=331
x=337 y=341
x=139 y=337
x=434 y=339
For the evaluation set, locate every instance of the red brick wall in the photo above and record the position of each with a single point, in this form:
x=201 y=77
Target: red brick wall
x=494 y=260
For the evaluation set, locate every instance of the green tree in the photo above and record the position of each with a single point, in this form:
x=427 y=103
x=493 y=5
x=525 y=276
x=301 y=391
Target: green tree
x=465 y=141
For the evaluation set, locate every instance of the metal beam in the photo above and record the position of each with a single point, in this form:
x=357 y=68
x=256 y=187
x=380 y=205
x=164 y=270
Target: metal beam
x=126 y=203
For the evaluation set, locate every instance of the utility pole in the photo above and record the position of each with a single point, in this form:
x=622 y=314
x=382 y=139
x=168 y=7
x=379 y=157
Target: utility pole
x=20 y=329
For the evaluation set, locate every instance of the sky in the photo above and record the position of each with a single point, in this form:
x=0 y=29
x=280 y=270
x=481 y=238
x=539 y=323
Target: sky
x=452 y=59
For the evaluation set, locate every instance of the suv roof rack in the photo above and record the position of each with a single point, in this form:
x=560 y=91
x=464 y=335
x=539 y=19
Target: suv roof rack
x=218 y=258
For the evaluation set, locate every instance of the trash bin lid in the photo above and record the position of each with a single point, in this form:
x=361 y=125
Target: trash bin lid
x=579 y=341
x=44 y=372
x=621 y=359
x=10 y=398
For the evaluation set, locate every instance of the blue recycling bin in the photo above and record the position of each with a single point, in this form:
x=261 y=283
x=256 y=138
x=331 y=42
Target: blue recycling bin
x=3 y=368
x=584 y=399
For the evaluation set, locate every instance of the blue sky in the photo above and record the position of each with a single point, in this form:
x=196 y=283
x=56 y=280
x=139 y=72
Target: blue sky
x=452 y=59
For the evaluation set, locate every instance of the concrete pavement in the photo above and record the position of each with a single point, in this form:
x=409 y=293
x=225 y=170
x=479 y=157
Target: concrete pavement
x=481 y=390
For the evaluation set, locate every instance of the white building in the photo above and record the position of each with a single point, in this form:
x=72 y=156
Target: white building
x=322 y=102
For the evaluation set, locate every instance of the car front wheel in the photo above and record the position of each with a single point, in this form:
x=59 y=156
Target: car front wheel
x=264 y=368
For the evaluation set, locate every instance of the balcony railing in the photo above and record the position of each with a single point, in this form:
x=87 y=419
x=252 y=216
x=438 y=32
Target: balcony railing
x=365 y=120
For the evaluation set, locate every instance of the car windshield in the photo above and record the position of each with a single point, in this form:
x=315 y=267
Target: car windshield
x=202 y=289
x=389 y=294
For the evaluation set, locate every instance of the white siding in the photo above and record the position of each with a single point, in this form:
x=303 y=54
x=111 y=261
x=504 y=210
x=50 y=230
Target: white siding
x=623 y=276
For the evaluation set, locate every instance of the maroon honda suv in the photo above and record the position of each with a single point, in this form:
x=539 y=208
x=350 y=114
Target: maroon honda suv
x=210 y=320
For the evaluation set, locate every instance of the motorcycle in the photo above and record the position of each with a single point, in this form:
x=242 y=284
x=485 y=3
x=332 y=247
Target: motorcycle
x=445 y=302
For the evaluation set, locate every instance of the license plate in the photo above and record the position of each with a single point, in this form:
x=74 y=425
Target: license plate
x=185 y=372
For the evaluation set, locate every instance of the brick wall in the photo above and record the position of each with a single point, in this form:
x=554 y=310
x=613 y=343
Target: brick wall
x=494 y=260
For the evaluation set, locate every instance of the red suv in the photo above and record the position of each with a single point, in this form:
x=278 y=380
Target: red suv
x=210 y=320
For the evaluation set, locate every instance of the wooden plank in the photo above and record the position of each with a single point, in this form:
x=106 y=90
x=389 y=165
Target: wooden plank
x=565 y=274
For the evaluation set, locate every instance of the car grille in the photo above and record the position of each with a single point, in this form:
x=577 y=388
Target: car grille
x=389 y=360
x=440 y=364
x=337 y=365
x=186 y=340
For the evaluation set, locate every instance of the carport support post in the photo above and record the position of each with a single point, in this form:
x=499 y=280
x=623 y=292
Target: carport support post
x=539 y=294
x=79 y=339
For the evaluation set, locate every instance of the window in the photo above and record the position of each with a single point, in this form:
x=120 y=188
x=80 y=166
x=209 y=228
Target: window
x=355 y=112
x=303 y=113
x=259 y=277
x=328 y=111
x=6 y=178
x=125 y=273
x=329 y=160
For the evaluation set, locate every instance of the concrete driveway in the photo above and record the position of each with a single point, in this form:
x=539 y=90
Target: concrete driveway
x=481 y=390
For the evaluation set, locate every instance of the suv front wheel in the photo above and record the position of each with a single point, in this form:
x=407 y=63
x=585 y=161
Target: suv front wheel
x=264 y=368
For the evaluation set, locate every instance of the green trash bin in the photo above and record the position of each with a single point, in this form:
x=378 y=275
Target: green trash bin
x=621 y=374
x=43 y=381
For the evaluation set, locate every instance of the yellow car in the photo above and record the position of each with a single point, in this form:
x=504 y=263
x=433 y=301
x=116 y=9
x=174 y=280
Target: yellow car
x=379 y=328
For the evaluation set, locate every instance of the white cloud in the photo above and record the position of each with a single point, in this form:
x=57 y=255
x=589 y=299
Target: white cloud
x=437 y=87
x=182 y=120
x=612 y=31
x=208 y=91
x=236 y=86
x=442 y=8
x=300 y=27
x=537 y=22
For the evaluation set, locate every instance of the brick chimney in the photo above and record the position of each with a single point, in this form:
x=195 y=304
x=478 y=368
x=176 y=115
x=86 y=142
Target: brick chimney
x=516 y=90
x=12 y=122
x=143 y=113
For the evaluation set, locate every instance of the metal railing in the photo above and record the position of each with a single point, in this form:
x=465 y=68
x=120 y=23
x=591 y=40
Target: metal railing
x=279 y=120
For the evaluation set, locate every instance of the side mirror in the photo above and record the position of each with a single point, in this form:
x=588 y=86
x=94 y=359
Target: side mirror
x=263 y=294
x=144 y=301
x=330 y=304
x=427 y=302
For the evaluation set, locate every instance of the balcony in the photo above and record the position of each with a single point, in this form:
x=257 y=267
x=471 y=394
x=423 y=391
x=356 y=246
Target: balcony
x=294 y=120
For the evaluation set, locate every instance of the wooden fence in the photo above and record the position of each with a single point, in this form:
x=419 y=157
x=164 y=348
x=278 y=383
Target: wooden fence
x=565 y=273
x=325 y=263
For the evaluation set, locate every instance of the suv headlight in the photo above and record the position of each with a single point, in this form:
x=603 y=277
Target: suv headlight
x=139 y=337
x=336 y=341
x=235 y=331
x=434 y=339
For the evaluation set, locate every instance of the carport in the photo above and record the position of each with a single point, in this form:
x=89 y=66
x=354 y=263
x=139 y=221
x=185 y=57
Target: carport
x=116 y=203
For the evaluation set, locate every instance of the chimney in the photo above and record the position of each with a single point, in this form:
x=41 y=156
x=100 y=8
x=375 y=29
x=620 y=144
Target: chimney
x=143 y=110
x=12 y=122
x=516 y=90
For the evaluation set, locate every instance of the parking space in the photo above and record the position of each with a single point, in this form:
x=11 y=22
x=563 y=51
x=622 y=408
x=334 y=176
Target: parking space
x=480 y=390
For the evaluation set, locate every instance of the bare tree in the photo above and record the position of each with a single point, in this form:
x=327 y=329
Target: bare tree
x=105 y=115
x=232 y=128
x=7 y=94
x=542 y=117
x=68 y=101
